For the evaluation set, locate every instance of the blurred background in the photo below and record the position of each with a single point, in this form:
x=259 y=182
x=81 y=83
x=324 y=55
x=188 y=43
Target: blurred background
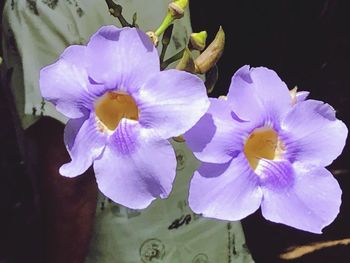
x=306 y=42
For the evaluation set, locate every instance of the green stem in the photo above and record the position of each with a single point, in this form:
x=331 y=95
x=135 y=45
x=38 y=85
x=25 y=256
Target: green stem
x=168 y=20
x=172 y=59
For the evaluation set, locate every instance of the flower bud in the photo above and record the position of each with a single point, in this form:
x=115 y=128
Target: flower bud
x=198 y=40
x=175 y=11
x=181 y=3
x=177 y=8
x=186 y=63
x=211 y=54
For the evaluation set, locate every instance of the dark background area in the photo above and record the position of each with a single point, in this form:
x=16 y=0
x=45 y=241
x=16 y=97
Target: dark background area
x=308 y=44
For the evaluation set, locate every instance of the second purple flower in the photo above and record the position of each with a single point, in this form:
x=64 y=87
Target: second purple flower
x=265 y=146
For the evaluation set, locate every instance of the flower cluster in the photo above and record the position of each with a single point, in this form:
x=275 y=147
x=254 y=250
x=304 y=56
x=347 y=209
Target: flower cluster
x=262 y=145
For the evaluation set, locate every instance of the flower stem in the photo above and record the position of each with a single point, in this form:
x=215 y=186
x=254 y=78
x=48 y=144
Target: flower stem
x=168 y=20
x=172 y=59
x=116 y=11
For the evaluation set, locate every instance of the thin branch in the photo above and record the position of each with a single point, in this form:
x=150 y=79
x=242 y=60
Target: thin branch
x=116 y=11
x=172 y=59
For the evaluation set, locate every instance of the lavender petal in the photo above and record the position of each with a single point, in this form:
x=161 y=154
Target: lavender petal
x=310 y=204
x=312 y=134
x=84 y=143
x=233 y=195
x=66 y=83
x=258 y=92
x=121 y=58
x=217 y=137
x=171 y=102
x=136 y=166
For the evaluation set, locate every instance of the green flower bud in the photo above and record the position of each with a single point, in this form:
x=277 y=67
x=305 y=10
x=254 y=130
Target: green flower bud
x=186 y=63
x=181 y=3
x=177 y=8
x=198 y=40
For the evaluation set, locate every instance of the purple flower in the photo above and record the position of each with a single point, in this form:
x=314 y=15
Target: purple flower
x=264 y=147
x=122 y=110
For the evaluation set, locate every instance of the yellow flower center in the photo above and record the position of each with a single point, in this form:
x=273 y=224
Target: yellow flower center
x=113 y=106
x=263 y=143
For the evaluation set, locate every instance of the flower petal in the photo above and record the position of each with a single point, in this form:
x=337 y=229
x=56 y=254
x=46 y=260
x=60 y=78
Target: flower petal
x=310 y=204
x=258 y=92
x=213 y=169
x=302 y=95
x=171 y=102
x=76 y=55
x=84 y=143
x=313 y=134
x=277 y=174
x=121 y=58
x=136 y=166
x=233 y=195
x=66 y=84
x=217 y=137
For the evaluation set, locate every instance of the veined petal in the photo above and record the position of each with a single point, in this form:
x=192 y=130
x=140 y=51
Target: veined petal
x=232 y=195
x=217 y=137
x=277 y=174
x=310 y=204
x=66 y=84
x=313 y=134
x=171 y=102
x=121 y=58
x=258 y=93
x=84 y=142
x=136 y=166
